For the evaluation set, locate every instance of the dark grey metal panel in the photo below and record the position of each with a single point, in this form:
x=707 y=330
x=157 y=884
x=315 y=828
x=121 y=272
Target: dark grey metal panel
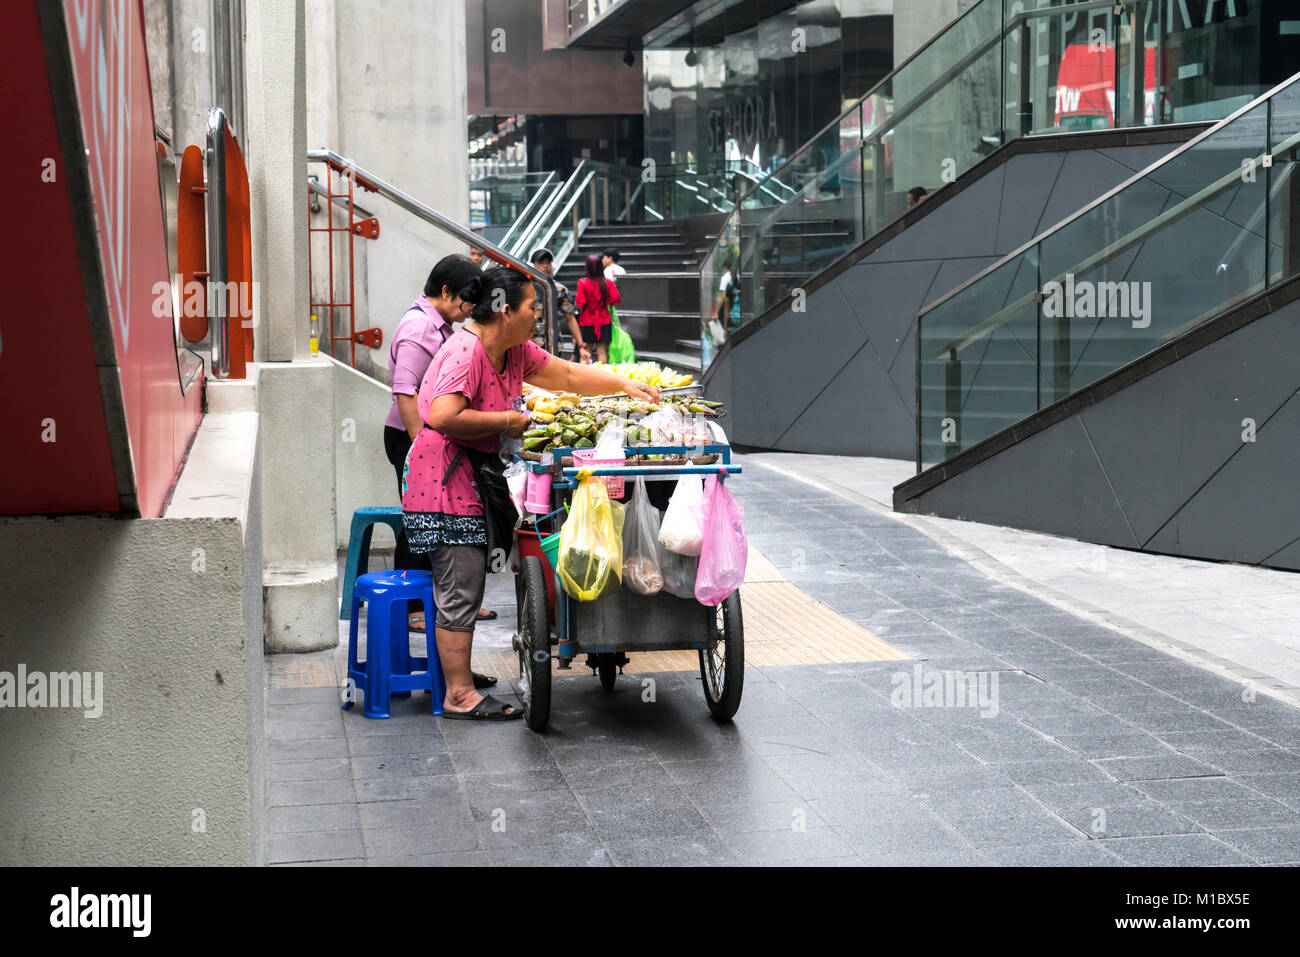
x=1085 y=175
x=1249 y=509
x=1191 y=414
x=1051 y=482
x=781 y=371
x=954 y=272
x=1167 y=450
x=1030 y=180
x=783 y=368
x=860 y=407
x=963 y=225
x=1137 y=158
x=885 y=298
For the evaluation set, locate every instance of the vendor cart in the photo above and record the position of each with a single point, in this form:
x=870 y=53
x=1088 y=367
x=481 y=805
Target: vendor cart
x=552 y=624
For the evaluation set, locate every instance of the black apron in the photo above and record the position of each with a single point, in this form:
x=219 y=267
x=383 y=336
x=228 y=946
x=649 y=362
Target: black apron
x=499 y=513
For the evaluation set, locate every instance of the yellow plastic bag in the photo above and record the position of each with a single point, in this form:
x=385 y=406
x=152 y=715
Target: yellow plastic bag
x=591 y=542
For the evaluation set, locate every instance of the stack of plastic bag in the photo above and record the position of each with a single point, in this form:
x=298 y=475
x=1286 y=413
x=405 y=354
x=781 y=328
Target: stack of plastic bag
x=725 y=548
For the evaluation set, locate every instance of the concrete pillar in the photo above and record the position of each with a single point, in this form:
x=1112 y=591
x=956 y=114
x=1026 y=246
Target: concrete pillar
x=295 y=390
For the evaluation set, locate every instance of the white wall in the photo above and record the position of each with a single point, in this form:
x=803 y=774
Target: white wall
x=363 y=473
x=170 y=610
x=386 y=88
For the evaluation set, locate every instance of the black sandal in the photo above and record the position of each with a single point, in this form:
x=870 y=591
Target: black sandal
x=489 y=709
x=483 y=681
x=490 y=616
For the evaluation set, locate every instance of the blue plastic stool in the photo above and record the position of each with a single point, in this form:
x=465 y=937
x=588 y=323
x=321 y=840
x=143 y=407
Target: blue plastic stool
x=364 y=521
x=390 y=668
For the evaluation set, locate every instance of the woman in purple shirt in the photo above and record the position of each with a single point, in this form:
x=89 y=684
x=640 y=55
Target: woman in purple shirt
x=419 y=336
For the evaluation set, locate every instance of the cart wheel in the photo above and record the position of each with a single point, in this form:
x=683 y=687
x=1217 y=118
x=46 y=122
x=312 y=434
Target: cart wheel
x=534 y=644
x=722 y=667
x=608 y=674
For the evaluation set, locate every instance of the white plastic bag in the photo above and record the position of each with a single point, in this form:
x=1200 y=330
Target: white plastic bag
x=641 y=549
x=683 y=526
x=609 y=443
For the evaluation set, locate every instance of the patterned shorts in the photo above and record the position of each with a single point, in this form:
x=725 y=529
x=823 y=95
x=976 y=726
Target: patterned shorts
x=425 y=530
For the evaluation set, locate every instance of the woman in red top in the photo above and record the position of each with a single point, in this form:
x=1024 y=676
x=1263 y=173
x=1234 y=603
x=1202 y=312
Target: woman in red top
x=594 y=297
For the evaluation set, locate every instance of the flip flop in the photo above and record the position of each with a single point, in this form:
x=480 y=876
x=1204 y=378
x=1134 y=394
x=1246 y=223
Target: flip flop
x=489 y=709
x=416 y=622
x=483 y=681
x=490 y=616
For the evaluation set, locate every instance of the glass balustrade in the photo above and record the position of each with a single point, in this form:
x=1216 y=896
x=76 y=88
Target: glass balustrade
x=1165 y=253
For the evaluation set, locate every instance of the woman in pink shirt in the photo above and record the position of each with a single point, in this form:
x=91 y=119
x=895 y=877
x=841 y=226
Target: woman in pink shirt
x=468 y=400
x=593 y=298
x=419 y=336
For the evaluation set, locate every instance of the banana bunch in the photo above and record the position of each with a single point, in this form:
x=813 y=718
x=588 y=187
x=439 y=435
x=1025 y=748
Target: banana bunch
x=651 y=373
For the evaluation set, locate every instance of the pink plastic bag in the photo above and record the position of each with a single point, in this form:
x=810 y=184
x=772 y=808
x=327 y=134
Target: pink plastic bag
x=725 y=549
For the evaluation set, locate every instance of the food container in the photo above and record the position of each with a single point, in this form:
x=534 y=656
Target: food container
x=537 y=494
x=613 y=483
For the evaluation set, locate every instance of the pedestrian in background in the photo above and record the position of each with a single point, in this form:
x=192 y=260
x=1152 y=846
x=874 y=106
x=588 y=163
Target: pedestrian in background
x=609 y=260
x=476 y=256
x=593 y=299
x=418 y=337
x=562 y=304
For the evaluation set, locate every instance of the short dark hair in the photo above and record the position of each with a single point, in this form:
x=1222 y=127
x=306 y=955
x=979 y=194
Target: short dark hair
x=454 y=272
x=507 y=279
x=612 y=253
x=542 y=255
x=918 y=193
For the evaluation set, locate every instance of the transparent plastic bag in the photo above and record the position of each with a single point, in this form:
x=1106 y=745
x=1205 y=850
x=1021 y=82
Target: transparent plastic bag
x=679 y=573
x=516 y=481
x=725 y=549
x=591 y=542
x=682 y=530
x=641 y=571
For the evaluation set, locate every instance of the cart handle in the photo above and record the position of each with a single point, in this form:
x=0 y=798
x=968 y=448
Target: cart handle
x=632 y=470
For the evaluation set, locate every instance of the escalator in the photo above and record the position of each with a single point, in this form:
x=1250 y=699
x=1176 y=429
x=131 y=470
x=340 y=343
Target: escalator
x=1009 y=120
x=1130 y=377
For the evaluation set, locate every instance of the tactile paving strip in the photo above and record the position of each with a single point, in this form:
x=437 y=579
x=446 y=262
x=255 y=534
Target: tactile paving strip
x=783 y=626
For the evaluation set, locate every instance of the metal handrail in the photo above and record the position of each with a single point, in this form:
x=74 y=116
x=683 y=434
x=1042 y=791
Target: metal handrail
x=568 y=207
x=526 y=240
x=341 y=201
x=523 y=216
x=218 y=265
x=434 y=218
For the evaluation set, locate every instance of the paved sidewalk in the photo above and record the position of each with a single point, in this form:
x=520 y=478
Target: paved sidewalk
x=1235 y=620
x=1096 y=749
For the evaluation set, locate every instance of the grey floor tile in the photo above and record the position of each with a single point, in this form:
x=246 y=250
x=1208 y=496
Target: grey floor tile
x=765 y=816
x=314 y=846
x=349 y=862
x=919 y=834
x=1259 y=761
x=449 y=859
x=1194 y=790
x=284 y=793
x=300 y=818
x=415 y=841
x=1236 y=814
x=773 y=847
x=698 y=850
x=1184 y=850
x=397 y=745
x=1128 y=820
x=1273 y=845
x=334 y=746
x=415 y=813
x=1159 y=767
x=1136 y=744
x=312 y=769
x=1015 y=829
x=1087 y=794
x=1050 y=772
x=365 y=767
x=444 y=787
x=1072 y=854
